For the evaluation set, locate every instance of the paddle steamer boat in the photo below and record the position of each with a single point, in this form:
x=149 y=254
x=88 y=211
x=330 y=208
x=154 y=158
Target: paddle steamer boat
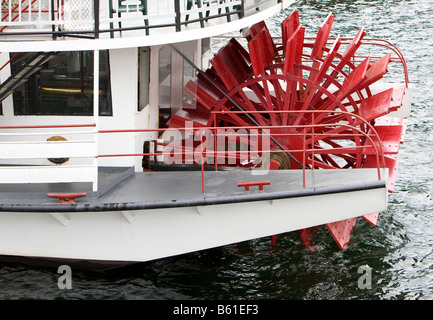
x=125 y=136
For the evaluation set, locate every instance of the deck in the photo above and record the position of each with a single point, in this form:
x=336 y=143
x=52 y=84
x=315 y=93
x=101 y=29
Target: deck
x=124 y=189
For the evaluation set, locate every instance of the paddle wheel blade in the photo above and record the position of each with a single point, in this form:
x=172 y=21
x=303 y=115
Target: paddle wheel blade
x=391 y=163
x=232 y=64
x=376 y=71
x=397 y=98
x=308 y=237
x=393 y=121
x=371 y=218
x=341 y=231
x=293 y=48
x=318 y=50
x=289 y=27
x=322 y=38
x=388 y=140
x=353 y=80
x=376 y=106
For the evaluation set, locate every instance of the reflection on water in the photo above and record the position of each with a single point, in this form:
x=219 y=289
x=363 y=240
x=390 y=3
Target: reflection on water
x=398 y=250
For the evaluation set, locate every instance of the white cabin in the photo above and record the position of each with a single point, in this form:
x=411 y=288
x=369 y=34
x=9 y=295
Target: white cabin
x=49 y=53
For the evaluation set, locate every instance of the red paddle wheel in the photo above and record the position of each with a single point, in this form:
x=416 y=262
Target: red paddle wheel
x=297 y=89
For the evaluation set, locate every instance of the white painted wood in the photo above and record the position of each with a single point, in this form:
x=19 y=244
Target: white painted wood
x=62 y=218
x=128 y=215
x=153 y=234
x=47 y=149
x=48 y=174
x=188 y=34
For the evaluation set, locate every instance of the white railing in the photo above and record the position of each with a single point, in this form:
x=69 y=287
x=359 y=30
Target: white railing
x=94 y=17
x=41 y=155
x=47 y=16
x=18 y=12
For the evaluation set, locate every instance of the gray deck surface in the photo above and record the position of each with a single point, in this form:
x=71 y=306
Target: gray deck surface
x=180 y=188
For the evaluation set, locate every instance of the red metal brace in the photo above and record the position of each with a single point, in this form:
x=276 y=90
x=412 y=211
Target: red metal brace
x=67 y=198
x=253 y=183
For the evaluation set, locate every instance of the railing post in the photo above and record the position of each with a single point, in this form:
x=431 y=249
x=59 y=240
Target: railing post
x=202 y=161
x=177 y=11
x=96 y=17
x=53 y=26
x=215 y=141
x=312 y=138
x=242 y=13
x=96 y=112
x=304 y=156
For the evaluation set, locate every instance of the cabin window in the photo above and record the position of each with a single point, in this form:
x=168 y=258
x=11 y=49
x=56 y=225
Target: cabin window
x=64 y=86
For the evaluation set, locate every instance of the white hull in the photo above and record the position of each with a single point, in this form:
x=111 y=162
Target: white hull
x=144 y=235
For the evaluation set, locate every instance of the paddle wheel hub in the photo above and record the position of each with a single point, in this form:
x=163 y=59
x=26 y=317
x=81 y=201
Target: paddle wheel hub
x=318 y=105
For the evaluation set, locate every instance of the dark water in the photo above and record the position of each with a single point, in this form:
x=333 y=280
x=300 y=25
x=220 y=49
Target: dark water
x=398 y=250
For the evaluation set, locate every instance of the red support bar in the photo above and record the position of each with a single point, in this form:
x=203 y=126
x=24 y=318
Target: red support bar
x=13 y=57
x=248 y=184
x=67 y=198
